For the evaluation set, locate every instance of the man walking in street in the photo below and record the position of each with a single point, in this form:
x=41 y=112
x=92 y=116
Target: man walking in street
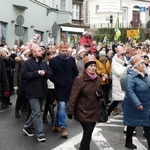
x=35 y=72
x=65 y=70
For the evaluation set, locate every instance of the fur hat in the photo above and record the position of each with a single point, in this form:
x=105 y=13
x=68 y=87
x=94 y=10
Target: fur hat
x=136 y=60
x=3 y=50
x=81 y=50
x=88 y=60
x=102 y=53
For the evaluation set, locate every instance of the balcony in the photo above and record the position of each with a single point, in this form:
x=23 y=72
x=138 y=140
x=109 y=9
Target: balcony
x=64 y=17
x=21 y=4
x=77 y=22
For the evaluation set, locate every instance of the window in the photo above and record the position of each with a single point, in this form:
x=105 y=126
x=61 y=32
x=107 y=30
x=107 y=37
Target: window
x=97 y=9
x=63 y=5
x=75 y=11
x=3 y=31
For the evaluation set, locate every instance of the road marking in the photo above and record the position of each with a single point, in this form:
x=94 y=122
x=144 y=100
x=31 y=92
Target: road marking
x=109 y=125
x=1 y=111
x=100 y=141
x=69 y=144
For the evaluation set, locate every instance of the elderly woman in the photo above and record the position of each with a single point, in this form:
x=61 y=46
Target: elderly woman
x=83 y=103
x=136 y=103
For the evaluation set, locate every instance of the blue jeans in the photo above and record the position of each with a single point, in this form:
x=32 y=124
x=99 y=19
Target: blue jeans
x=60 y=119
x=35 y=118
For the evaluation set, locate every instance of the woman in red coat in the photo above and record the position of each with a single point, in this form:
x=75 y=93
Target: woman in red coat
x=83 y=103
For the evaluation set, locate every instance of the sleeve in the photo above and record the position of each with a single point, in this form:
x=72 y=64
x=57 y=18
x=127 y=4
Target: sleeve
x=26 y=74
x=129 y=88
x=75 y=91
x=4 y=80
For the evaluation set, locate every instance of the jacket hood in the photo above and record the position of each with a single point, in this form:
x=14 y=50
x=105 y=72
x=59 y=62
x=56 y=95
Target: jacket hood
x=116 y=59
x=18 y=59
x=133 y=72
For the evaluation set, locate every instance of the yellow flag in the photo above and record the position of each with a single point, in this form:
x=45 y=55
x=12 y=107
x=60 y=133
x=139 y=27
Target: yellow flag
x=117 y=31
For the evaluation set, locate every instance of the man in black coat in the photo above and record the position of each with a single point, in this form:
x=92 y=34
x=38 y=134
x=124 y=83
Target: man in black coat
x=35 y=72
x=65 y=70
x=4 y=86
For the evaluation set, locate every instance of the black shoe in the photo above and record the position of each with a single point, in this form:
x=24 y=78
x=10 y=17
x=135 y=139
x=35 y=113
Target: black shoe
x=130 y=145
x=28 y=131
x=45 y=120
x=17 y=115
x=4 y=106
x=41 y=139
x=9 y=103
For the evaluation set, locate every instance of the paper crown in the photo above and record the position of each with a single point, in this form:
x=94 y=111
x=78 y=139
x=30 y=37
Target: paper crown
x=88 y=60
x=63 y=46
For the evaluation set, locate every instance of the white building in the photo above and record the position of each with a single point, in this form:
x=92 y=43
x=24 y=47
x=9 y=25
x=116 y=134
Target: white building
x=130 y=12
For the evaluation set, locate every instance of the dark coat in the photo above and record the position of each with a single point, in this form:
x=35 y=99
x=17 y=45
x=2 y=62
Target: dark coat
x=65 y=72
x=36 y=85
x=17 y=81
x=4 y=86
x=83 y=103
x=137 y=92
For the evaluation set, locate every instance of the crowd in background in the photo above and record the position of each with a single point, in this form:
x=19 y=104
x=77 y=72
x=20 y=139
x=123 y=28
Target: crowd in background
x=66 y=62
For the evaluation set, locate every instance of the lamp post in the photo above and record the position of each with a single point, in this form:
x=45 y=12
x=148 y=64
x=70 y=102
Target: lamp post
x=50 y=38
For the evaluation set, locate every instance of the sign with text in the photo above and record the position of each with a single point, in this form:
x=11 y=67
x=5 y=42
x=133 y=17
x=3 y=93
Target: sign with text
x=132 y=33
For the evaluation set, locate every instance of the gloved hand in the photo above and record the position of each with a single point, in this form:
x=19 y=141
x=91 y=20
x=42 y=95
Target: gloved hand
x=69 y=116
x=15 y=88
x=6 y=94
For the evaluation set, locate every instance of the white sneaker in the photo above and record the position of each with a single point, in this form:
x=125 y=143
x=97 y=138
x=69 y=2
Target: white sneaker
x=108 y=121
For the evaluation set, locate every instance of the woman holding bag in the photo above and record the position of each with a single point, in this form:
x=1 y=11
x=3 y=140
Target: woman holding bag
x=83 y=103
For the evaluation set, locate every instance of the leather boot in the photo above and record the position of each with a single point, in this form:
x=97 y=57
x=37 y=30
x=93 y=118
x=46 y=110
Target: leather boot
x=17 y=114
x=64 y=133
x=52 y=113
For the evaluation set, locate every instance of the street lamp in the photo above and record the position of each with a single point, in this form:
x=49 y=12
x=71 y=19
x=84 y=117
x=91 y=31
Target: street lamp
x=50 y=38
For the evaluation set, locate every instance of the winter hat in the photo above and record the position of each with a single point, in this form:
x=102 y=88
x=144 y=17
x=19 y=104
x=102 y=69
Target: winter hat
x=102 y=53
x=136 y=60
x=86 y=45
x=88 y=60
x=81 y=50
x=26 y=51
x=3 y=50
x=120 y=53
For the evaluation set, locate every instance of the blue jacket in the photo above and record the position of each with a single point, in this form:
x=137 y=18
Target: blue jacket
x=137 y=92
x=36 y=85
x=65 y=72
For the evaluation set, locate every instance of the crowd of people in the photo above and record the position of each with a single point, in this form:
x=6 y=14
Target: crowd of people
x=68 y=77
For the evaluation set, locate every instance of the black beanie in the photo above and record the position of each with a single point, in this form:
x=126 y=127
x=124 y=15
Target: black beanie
x=89 y=63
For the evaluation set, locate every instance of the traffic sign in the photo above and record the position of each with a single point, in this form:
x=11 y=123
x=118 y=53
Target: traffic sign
x=20 y=20
x=19 y=31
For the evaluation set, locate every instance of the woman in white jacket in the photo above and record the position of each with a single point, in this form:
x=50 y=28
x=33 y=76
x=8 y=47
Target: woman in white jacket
x=118 y=67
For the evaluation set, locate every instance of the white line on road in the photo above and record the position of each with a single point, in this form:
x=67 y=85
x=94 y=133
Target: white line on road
x=100 y=141
x=69 y=144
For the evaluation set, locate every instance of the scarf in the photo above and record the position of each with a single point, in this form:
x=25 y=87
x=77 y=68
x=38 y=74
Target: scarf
x=92 y=76
x=64 y=57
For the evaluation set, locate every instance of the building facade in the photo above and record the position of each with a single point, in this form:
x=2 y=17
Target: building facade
x=72 y=32
x=104 y=13
x=20 y=20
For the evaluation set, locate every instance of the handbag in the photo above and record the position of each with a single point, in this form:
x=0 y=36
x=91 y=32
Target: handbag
x=103 y=112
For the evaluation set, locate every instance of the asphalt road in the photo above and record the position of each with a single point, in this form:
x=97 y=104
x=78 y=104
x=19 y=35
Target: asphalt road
x=105 y=136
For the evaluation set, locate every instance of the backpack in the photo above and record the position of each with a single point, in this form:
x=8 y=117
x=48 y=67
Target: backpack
x=123 y=77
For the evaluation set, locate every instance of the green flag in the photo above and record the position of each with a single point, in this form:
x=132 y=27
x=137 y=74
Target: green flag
x=117 y=31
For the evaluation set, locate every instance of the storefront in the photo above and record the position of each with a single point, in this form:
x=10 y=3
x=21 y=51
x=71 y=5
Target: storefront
x=71 y=35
